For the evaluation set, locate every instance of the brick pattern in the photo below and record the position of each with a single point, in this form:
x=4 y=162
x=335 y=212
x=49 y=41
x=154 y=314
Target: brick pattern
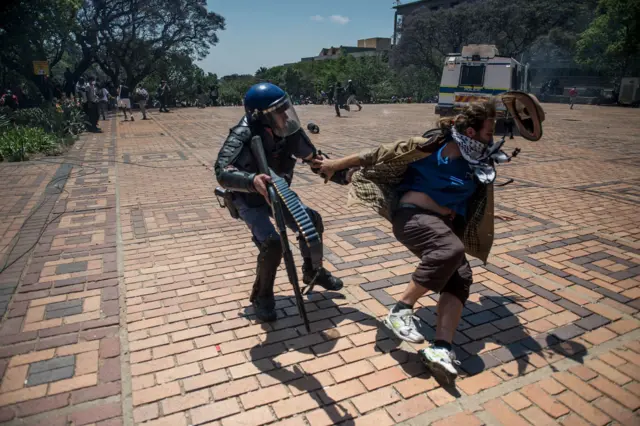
x=59 y=339
x=578 y=396
x=562 y=281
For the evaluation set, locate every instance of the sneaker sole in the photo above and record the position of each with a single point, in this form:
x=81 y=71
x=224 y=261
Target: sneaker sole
x=399 y=336
x=438 y=370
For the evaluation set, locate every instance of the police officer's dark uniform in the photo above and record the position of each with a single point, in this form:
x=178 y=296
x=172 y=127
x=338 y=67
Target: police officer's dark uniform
x=269 y=114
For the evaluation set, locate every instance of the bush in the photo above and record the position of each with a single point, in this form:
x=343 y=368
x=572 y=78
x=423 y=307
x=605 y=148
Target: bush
x=29 y=139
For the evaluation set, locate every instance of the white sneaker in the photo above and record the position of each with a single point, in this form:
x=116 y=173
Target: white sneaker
x=403 y=326
x=441 y=362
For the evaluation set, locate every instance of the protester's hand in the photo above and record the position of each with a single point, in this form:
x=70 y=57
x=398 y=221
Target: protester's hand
x=260 y=183
x=325 y=167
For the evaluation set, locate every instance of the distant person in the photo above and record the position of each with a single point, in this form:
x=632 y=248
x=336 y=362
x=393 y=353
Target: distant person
x=338 y=98
x=142 y=96
x=9 y=100
x=81 y=91
x=124 y=102
x=103 y=105
x=92 y=105
x=213 y=95
x=69 y=86
x=163 y=95
x=573 y=94
x=350 y=90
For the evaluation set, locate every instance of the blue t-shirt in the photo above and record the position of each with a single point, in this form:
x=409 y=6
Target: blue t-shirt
x=448 y=182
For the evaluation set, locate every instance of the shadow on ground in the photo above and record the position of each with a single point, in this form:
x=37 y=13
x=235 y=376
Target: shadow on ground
x=515 y=341
x=268 y=355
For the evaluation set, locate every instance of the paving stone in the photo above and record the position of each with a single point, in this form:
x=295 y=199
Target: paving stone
x=68 y=268
x=50 y=376
x=481 y=318
x=52 y=364
x=567 y=332
x=479 y=363
x=592 y=322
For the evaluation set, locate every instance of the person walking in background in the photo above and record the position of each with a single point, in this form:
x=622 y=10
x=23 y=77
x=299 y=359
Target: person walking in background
x=69 y=86
x=104 y=100
x=123 y=101
x=338 y=98
x=163 y=95
x=142 y=96
x=573 y=94
x=351 y=91
x=92 y=105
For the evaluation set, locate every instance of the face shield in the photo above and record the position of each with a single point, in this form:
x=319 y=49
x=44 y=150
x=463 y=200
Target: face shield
x=282 y=118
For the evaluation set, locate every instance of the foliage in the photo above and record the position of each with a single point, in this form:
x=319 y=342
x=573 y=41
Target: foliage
x=22 y=140
x=43 y=130
x=183 y=76
x=66 y=118
x=514 y=27
x=611 y=43
x=129 y=37
x=35 y=30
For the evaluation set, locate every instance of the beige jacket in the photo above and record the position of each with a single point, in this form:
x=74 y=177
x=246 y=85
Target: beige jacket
x=383 y=168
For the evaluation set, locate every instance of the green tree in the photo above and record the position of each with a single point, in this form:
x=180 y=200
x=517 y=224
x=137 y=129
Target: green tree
x=128 y=38
x=612 y=42
x=35 y=30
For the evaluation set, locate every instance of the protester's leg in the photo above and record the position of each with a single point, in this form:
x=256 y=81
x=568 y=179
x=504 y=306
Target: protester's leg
x=441 y=253
x=143 y=109
x=337 y=109
x=440 y=357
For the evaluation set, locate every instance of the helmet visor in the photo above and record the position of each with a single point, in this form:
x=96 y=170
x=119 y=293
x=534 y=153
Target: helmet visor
x=282 y=118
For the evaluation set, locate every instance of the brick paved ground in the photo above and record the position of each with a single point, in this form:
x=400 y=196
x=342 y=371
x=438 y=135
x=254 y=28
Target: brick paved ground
x=132 y=308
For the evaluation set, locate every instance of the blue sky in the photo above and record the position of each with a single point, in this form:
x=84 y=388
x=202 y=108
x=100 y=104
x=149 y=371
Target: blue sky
x=275 y=32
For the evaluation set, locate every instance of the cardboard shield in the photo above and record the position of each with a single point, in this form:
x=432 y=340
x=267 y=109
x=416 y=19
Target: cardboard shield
x=527 y=113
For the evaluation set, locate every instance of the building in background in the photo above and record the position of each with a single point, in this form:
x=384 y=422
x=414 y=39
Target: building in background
x=366 y=47
x=406 y=9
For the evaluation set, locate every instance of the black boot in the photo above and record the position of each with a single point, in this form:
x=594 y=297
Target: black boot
x=262 y=297
x=265 y=308
x=323 y=279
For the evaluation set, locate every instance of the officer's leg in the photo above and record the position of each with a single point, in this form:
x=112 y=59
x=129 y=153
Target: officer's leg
x=267 y=240
x=312 y=257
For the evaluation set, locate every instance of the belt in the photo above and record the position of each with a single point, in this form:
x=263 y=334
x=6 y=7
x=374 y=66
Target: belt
x=413 y=206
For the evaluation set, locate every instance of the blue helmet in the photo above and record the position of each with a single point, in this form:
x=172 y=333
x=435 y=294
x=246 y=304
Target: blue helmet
x=271 y=106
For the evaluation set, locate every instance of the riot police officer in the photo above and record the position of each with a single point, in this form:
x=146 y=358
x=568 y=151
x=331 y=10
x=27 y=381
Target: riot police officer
x=270 y=115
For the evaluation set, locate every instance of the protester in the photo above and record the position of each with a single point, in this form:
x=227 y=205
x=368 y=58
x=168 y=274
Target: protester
x=434 y=190
x=104 y=100
x=123 y=101
x=573 y=94
x=92 y=105
x=142 y=96
x=163 y=95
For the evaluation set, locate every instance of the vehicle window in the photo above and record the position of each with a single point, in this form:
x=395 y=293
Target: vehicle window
x=472 y=75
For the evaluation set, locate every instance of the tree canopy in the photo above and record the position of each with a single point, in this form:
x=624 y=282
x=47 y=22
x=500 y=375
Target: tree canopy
x=611 y=43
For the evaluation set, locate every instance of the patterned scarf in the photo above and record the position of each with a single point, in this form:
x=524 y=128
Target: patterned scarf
x=477 y=155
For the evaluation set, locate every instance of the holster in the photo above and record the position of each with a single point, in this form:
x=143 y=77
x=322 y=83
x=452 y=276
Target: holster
x=225 y=199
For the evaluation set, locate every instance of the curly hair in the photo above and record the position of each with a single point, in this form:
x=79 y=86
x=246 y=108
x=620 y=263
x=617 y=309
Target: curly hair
x=473 y=115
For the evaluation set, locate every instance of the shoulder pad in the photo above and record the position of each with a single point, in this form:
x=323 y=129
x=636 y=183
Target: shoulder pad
x=241 y=133
x=232 y=146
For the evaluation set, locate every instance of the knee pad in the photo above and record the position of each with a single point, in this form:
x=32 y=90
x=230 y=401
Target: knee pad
x=269 y=260
x=270 y=250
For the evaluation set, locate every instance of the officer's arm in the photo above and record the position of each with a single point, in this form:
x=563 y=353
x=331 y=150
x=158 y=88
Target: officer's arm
x=227 y=175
